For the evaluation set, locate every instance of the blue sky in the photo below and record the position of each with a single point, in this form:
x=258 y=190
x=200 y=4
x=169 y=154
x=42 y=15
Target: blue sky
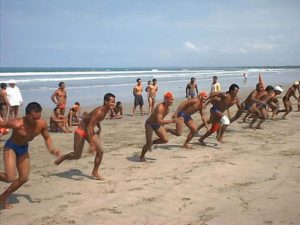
x=141 y=33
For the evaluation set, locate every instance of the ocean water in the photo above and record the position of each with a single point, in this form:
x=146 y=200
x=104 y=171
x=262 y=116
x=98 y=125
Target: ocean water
x=88 y=85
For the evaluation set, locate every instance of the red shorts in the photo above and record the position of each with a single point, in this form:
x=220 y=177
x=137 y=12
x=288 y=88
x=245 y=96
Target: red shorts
x=214 y=127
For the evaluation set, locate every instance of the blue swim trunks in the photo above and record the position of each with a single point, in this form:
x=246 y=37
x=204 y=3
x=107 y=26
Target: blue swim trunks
x=215 y=109
x=19 y=149
x=155 y=126
x=186 y=117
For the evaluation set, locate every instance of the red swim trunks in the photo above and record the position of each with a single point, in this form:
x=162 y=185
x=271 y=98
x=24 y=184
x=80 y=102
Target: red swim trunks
x=62 y=106
x=81 y=132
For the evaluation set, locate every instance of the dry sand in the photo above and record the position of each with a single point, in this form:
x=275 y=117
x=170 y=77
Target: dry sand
x=253 y=178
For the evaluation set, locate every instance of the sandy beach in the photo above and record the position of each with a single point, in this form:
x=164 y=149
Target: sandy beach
x=253 y=178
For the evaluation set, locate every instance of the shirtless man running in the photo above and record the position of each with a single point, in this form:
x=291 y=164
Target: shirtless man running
x=59 y=97
x=85 y=132
x=252 y=99
x=155 y=123
x=217 y=117
x=15 y=152
x=183 y=114
x=286 y=99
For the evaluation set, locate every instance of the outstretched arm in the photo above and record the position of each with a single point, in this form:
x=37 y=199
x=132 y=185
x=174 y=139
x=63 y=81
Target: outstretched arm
x=239 y=111
x=48 y=142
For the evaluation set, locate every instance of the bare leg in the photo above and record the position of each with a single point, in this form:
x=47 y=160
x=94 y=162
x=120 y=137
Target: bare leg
x=288 y=108
x=178 y=130
x=163 y=136
x=133 y=110
x=98 y=157
x=206 y=135
x=220 y=135
x=23 y=166
x=147 y=146
x=141 y=110
x=76 y=154
x=10 y=159
x=193 y=130
x=263 y=118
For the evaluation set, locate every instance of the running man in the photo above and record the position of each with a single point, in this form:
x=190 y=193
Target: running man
x=183 y=114
x=85 y=132
x=252 y=99
x=286 y=99
x=217 y=117
x=138 y=97
x=155 y=123
x=15 y=152
x=262 y=107
x=59 y=97
x=191 y=89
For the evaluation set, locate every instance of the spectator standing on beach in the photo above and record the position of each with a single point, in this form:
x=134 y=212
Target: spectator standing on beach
x=191 y=89
x=15 y=153
x=59 y=97
x=152 y=94
x=4 y=104
x=148 y=97
x=138 y=96
x=85 y=132
x=14 y=98
x=215 y=86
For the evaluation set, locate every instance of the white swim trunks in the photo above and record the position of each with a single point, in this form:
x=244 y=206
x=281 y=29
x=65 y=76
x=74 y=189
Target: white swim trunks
x=224 y=120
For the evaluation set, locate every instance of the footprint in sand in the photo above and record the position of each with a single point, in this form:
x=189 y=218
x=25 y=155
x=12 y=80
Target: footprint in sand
x=73 y=193
x=135 y=189
x=62 y=207
x=209 y=208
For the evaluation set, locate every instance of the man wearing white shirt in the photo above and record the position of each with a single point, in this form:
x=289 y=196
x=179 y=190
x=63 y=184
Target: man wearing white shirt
x=14 y=98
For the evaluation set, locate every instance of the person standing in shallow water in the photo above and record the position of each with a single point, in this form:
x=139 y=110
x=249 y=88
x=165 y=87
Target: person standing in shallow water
x=15 y=152
x=85 y=132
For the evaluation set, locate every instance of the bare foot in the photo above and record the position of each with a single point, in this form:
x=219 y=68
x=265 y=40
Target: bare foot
x=97 y=176
x=142 y=159
x=220 y=140
x=5 y=204
x=258 y=127
x=187 y=146
x=202 y=142
x=252 y=127
x=59 y=160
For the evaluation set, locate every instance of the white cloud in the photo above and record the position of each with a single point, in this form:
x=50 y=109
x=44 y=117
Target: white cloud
x=190 y=46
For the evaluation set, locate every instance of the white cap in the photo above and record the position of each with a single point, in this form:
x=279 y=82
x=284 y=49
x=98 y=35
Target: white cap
x=296 y=82
x=278 y=88
x=11 y=81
